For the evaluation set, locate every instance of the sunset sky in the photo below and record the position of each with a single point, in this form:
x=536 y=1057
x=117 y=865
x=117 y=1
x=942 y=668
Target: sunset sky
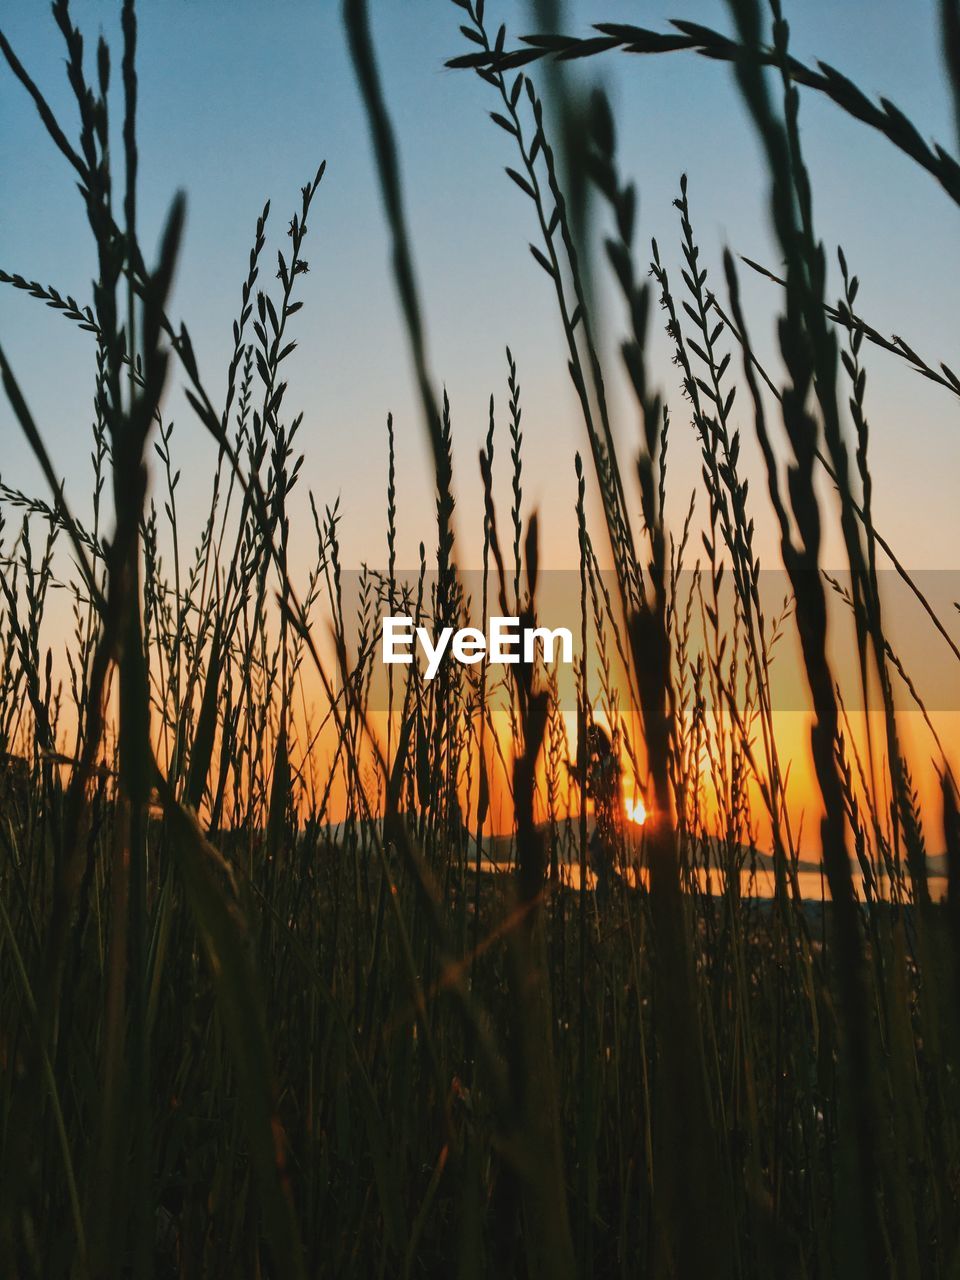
x=241 y=101
x=237 y=106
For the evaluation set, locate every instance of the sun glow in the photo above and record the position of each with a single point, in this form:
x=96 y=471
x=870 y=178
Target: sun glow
x=636 y=811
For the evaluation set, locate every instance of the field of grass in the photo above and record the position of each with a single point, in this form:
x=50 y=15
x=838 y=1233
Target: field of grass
x=280 y=994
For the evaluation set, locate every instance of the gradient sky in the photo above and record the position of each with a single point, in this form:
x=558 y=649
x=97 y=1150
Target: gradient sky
x=240 y=101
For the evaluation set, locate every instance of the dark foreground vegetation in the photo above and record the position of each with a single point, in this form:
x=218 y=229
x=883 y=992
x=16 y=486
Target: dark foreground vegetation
x=259 y=1014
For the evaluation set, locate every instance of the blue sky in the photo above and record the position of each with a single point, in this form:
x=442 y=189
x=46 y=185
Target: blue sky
x=240 y=101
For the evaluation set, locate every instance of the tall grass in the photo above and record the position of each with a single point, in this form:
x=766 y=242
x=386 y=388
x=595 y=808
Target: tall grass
x=264 y=1010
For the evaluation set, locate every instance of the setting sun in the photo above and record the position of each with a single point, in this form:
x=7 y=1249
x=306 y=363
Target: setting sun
x=636 y=811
